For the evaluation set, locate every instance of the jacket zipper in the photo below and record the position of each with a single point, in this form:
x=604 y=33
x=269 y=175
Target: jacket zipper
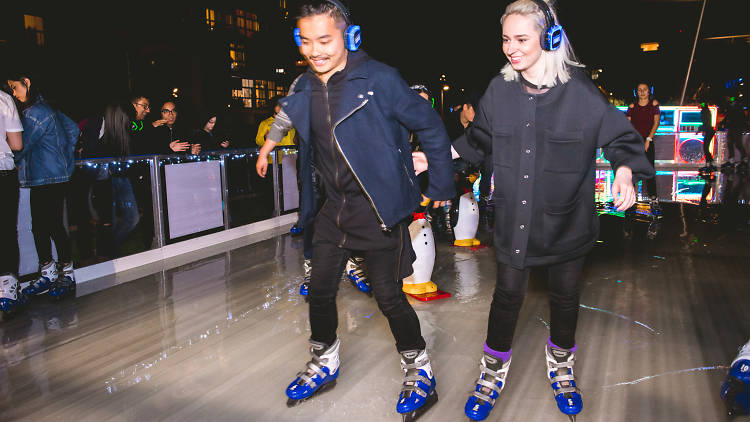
x=335 y=166
x=406 y=170
x=383 y=226
x=400 y=252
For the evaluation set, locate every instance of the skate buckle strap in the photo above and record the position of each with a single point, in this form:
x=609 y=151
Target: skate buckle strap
x=413 y=376
x=498 y=376
x=312 y=366
x=410 y=384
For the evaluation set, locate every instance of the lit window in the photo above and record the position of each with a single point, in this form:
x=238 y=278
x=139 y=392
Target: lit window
x=35 y=27
x=650 y=46
x=256 y=93
x=246 y=23
x=237 y=54
x=210 y=18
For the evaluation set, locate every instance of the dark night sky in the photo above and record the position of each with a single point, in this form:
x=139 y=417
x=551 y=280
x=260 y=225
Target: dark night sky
x=462 y=39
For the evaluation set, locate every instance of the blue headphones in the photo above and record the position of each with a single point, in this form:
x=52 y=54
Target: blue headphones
x=552 y=35
x=352 y=35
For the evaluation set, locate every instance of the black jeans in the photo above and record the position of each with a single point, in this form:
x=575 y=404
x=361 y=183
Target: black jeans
x=328 y=264
x=9 y=222
x=707 y=136
x=47 y=203
x=651 y=183
x=485 y=184
x=564 y=291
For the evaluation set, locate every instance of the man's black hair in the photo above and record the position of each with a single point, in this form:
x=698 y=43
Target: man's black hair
x=135 y=96
x=321 y=7
x=470 y=97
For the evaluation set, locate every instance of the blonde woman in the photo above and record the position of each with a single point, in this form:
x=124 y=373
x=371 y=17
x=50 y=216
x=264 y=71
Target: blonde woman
x=542 y=120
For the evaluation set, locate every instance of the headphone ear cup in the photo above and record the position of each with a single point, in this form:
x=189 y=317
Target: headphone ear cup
x=353 y=37
x=297 y=38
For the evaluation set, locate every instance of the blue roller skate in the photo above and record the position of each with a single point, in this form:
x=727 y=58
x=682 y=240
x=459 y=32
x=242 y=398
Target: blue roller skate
x=736 y=389
x=489 y=385
x=66 y=282
x=304 y=288
x=560 y=373
x=320 y=375
x=296 y=230
x=418 y=391
x=356 y=274
x=48 y=275
x=10 y=298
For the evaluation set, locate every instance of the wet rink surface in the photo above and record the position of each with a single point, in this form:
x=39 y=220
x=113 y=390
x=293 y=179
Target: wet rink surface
x=219 y=339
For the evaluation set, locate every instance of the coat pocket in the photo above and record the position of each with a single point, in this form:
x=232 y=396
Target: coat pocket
x=564 y=225
x=502 y=146
x=563 y=152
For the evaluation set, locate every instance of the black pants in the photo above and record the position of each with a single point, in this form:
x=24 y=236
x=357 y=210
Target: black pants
x=9 y=222
x=651 y=183
x=47 y=203
x=328 y=264
x=707 y=136
x=564 y=290
x=485 y=184
x=734 y=139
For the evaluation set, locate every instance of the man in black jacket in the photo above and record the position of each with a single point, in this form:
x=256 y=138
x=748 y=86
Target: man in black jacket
x=353 y=115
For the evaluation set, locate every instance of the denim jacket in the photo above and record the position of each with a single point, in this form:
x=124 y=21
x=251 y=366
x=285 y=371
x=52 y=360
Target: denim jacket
x=49 y=138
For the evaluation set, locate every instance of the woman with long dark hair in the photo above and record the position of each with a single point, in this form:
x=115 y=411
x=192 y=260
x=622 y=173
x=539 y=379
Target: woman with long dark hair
x=118 y=123
x=205 y=134
x=45 y=165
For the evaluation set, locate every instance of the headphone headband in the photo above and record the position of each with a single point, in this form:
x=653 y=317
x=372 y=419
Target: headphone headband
x=344 y=11
x=549 y=18
x=552 y=33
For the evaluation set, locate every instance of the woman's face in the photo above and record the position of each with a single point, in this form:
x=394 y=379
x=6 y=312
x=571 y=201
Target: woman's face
x=643 y=92
x=210 y=124
x=20 y=89
x=521 y=42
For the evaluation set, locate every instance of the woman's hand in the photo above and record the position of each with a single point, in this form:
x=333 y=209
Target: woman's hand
x=225 y=144
x=195 y=149
x=623 y=190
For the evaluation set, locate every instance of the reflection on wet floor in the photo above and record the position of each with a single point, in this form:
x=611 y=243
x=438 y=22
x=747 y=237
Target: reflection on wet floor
x=219 y=338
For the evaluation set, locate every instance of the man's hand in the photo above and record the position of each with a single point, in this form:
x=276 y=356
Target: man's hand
x=623 y=191
x=179 y=146
x=261 y=166
x=420 y=161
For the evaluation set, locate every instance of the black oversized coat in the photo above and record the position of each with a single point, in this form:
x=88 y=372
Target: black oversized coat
x=543 y=151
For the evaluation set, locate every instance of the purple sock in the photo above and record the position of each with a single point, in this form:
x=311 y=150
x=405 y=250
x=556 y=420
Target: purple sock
x=551 y=344
x=500 y=355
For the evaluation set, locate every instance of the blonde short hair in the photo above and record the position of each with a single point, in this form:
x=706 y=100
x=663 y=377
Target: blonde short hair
x=557 y=62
